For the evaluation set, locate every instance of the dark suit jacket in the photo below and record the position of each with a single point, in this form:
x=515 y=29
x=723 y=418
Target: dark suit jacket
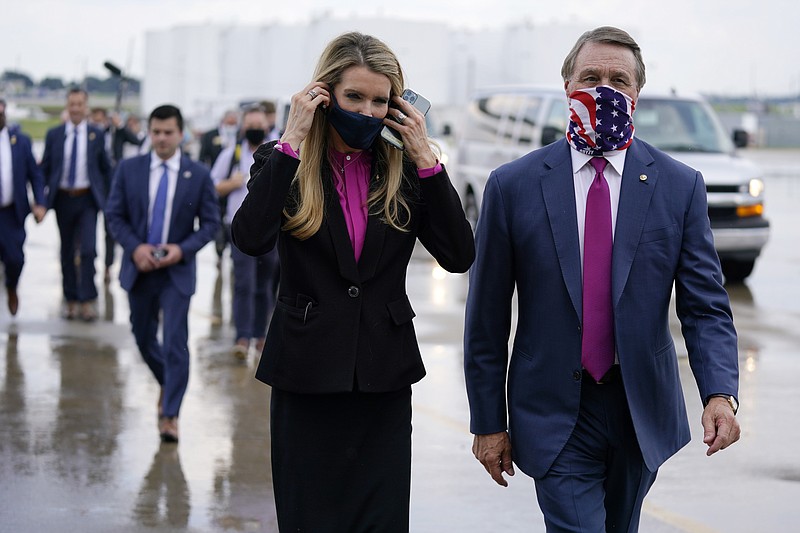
x=127 y=215
x=25 y=171
x=97 y=162
x=527 y=238
x=210 y=147
x=337 y=319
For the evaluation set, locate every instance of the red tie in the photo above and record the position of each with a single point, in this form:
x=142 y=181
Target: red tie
x=597 y=343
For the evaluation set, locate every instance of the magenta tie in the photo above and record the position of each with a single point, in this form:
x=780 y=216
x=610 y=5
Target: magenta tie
x=597 y=343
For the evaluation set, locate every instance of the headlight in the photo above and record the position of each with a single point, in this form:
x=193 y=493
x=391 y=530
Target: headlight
x=755 y=188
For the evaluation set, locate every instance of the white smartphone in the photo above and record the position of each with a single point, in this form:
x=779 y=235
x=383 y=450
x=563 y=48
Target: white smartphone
x=390 y=135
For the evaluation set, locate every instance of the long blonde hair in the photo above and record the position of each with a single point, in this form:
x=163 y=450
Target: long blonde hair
x=305 y=217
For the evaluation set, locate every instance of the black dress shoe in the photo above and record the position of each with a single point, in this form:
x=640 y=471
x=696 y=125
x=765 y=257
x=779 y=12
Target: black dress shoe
x=13 y=301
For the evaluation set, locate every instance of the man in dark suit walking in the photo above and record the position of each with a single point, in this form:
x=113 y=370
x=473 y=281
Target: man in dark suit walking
x=154 y=203
x=593 y=232
x=76 y=170
x=212 y=143
x=18 y=169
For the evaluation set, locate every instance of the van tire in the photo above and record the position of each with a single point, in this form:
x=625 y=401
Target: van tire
x=735 y=271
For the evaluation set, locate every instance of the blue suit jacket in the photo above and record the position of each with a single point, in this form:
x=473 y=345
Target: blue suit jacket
x=127 y=215
x=97 y=162
x=527 y=239
x=25 y=171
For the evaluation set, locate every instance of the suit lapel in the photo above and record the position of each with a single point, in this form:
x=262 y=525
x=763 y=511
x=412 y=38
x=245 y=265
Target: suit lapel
x=345 y=257
x=634 y=200
x=558 y=190
x=61 y=138
x=140 y=181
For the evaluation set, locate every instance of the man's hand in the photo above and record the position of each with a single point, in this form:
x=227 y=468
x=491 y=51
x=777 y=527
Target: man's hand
x=39 y=212
x=174 y=255
x=494 y=453
x=143 y=258
x=721 y=429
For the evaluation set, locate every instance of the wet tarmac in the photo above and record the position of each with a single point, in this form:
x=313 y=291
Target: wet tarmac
x=79 y=449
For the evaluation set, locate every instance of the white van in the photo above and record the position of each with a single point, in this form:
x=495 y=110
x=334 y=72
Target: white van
x=503 y=124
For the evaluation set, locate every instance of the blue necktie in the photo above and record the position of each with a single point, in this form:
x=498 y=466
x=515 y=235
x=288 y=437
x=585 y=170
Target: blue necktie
x=154 y=236
x=73 y=159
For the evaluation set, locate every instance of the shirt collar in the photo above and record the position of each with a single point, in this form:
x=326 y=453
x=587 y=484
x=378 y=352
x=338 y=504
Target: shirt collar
x=173 y=163
x=616 y=159
x=72 y=127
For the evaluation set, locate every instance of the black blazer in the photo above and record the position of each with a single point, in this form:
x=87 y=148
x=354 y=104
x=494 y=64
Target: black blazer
x=337 y=321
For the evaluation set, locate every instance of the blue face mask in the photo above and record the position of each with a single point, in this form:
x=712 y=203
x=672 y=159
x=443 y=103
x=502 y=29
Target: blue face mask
x=357 y=131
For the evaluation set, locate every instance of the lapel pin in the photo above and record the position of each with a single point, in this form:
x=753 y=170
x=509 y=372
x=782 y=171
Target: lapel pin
x=13 y=140
x=187 y=174
x=642 y=177
x=91 y=136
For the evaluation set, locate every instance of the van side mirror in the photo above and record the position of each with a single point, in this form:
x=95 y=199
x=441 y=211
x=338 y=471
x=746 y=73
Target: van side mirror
x=741 y=138
x=551 y=134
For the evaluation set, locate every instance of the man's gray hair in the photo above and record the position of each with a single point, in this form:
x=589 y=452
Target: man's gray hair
x=607 y=35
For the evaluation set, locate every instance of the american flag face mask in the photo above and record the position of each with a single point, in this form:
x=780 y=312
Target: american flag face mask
x=600 y=120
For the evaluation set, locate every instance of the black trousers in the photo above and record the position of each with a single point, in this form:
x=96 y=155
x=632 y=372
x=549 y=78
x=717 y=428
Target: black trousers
x=341 y=462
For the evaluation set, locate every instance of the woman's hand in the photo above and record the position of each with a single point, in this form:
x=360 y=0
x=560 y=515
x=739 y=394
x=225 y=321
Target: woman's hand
x=413 y=131
x=301 y=113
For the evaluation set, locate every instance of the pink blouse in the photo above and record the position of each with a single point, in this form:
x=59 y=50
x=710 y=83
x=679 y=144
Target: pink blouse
x=351 y=173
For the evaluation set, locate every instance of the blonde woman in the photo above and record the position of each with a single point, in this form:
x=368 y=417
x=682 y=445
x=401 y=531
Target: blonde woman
x=345 y=210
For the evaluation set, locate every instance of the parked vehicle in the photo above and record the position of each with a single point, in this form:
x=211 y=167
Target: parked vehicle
x=503 y=124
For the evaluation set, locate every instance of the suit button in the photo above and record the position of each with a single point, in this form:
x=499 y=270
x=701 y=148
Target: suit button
x=577 y=375
x=353 y=292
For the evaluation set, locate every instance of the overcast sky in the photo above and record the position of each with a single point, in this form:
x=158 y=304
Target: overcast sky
x=733 y=47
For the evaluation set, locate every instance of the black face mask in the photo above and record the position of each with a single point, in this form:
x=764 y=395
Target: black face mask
x=255 y=137
x=357 y=131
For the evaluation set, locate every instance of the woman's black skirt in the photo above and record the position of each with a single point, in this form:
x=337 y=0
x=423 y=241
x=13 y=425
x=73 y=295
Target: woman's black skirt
x=341 y=463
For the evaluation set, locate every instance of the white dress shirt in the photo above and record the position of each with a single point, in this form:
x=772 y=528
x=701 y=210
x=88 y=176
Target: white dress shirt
x=173 y=167
x=81 y=172
x=219 y=173
x=6 y=170
x=583 y=174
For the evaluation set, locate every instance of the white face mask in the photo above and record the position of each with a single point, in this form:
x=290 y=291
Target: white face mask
x=226 y=131
x=600 y=120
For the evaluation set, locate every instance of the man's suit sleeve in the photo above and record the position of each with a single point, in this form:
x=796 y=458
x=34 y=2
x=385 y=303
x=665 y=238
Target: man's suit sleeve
x=34 y=176
x=702 y=304
x=47 y=157
x=117 y=212
x=488 y=315
x=103 y=162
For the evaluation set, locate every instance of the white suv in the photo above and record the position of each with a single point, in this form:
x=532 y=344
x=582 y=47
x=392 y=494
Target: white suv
x=506 y=123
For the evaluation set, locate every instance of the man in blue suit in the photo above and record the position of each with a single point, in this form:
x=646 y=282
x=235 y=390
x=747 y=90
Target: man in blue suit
x=76 y=169
x=154 y=202
x=593 y=232
x=17 y=169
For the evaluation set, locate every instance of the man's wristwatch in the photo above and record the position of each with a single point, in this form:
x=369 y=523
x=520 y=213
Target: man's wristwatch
x=730 y=399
